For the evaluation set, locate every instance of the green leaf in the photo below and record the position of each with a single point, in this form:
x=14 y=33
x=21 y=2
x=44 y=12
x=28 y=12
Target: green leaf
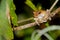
x=5 y=27
x=47 y=24
x=30 y=4
x=39 y=7
x=12 y=12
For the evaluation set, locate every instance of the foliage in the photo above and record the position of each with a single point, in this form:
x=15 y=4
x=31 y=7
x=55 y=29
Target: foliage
x=44 y=32
x=6 y=32
x=30 y=4
x=12 y=12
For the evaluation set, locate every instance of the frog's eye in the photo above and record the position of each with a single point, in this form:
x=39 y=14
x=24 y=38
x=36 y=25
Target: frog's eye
x=39 y=12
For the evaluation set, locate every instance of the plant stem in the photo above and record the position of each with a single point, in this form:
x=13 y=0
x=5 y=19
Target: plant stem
x=55 y=12
x=25 y=20
x=53 y=5
x=25 y=26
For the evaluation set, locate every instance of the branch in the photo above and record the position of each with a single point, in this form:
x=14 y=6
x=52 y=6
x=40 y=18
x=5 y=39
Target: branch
x=25 y=26
x=53 y=5
x=25 y=20
x=55 y=12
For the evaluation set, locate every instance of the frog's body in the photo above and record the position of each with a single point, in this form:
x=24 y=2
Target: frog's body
x=42 y=16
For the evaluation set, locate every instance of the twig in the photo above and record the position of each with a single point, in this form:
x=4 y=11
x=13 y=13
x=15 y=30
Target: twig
x=53 y=5
x=55 y=12
x=25 y=26
x=25 y=20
